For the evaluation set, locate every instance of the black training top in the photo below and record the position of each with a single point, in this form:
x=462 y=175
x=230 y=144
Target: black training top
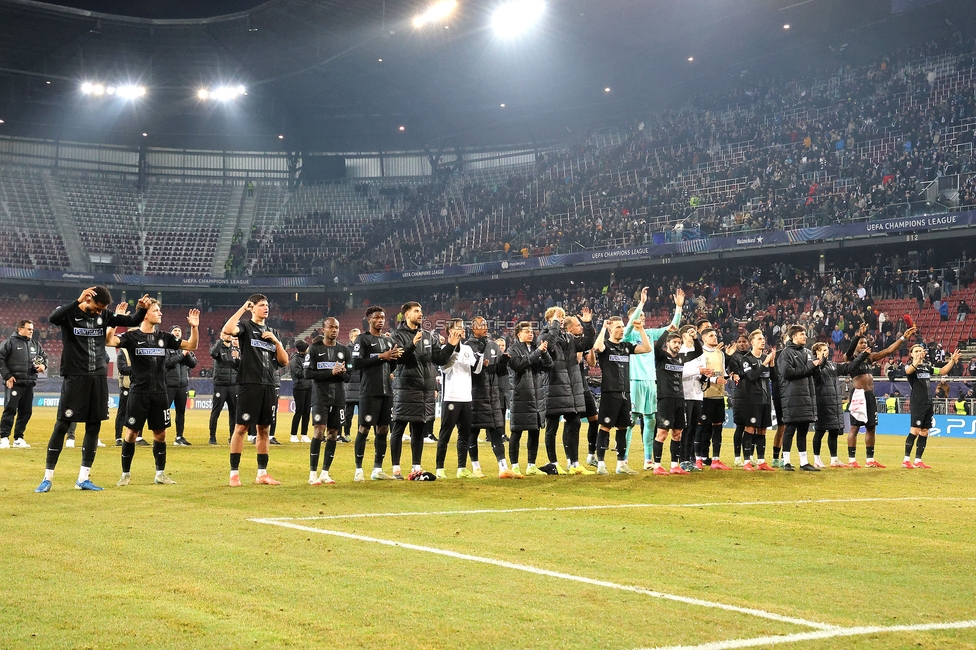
x=614 y=363
x=84 y=337
x=376 y=372
x=259 y=359
x=330 y=388
x=147 y=353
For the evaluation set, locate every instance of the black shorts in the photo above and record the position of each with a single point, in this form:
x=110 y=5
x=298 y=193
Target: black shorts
x=375 y=411
x=713 y=410
x=922 y=417
x=257 y=404
x=84 y=398
x=331 y=415
x=614 y=410
x=150 y=409
x=671 y=413
x=759 y=416
x=589 y=400
x=872 y=405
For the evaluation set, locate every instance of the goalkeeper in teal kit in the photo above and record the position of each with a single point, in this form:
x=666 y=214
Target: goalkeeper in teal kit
x=643 y=373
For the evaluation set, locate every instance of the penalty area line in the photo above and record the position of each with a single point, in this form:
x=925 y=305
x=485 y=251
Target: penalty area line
x=615 y=506
x=552 y=574
x=821 y=634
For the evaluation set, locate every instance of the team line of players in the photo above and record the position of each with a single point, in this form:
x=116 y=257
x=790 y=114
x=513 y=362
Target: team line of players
x=671 y=381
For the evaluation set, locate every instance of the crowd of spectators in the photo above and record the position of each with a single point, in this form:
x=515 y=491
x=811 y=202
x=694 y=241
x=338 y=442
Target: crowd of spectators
x=846 y=144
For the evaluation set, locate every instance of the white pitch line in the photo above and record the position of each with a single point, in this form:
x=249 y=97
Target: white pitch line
x=714 y=504
x=552 y=574
x=823 y=634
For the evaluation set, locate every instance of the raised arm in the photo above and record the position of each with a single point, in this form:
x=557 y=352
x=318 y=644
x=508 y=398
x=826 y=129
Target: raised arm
x=645 y=344
x=599 y=345
x=910 y=332
x=193 y=318
x=230 y=328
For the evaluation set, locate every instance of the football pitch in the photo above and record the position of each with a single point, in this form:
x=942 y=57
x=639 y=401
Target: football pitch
x=843 y=558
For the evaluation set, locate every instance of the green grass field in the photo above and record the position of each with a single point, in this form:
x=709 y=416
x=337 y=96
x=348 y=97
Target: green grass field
x=186 y=565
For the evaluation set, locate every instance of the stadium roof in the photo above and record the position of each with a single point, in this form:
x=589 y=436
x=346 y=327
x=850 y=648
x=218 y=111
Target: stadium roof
x=332 y=75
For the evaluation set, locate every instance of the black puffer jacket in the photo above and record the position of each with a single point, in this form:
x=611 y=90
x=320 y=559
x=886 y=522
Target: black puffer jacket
x=298 y=366
x=17 y=355
x=415 y=377
x=486 y=403
x=178 y=368
x=799 y=395
x=225 y=365
x=830 y=404
x=529 y=372
x=352 y=388
x=565 y=382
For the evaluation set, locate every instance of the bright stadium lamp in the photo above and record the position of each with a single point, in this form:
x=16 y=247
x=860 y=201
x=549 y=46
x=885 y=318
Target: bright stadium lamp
x=435 y=13
x=515 y=17
x=131 y=92
x=87 y=88
x=203 y=93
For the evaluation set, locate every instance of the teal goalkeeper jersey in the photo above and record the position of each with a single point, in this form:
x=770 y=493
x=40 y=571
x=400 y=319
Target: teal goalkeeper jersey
x=642 y=366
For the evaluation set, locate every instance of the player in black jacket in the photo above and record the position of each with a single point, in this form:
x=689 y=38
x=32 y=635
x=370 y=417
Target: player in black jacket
x=919 y=372
x=376 y=356
x=149 y=396
x=830 y=407
x=227 y=359
x=84 y=392
x=415 y=383
x=327 y=368
x=21 y=358
x=178 y=365
x=301 y=386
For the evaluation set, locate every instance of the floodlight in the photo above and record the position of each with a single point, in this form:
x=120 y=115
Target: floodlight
x=691 y=58
x=110 y=90
x=130 y=92
x=403 y=128
x=281 y=137
x=87 y=88
x=98 y=89
x=607 y=89
x=241 y=90
x=436 y=12
x=786 y=26
x=203 y=93
x=515 y=17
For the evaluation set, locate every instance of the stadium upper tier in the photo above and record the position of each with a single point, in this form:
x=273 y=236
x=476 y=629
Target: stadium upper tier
x=882 y=141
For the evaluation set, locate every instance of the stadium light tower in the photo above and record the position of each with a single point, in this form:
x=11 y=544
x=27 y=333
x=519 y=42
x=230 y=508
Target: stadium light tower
x=516 y=16
x=435 y=13
x=221 y=93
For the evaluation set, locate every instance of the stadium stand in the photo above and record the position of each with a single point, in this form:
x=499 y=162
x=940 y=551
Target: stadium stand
x=29 y=236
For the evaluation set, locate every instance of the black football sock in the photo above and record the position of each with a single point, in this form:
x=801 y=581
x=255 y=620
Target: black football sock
x=675 y=451
x=128 y=451
x=263 y=461
x=760 y=442
x=777 y=452
x=235 y=462
x=737 y=439
x=330 y=447
x=602 y=443
x=360 y=447
x=592 y=435
x=746 y=443
x=621 y=440
x=159 y=453
x=658 y=451
x=379 y=454
x=920 y=447
x=314 y=449
x=717 y=440
x=90 y=444
x=870 y=452
x=909 y=443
